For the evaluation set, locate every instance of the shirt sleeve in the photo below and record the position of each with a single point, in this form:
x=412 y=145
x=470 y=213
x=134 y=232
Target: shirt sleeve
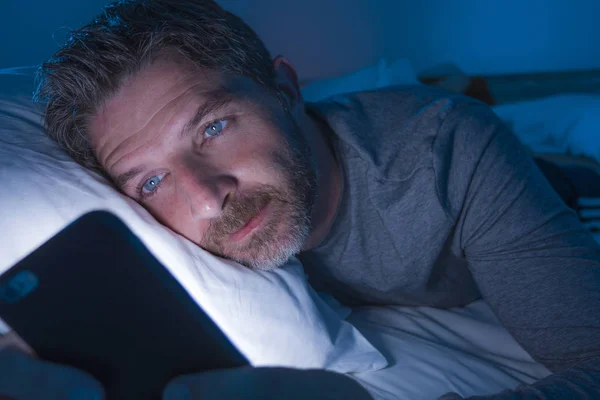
x=532 y=259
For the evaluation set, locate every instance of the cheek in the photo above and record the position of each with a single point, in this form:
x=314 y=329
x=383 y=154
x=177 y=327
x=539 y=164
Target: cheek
x=255 y=162
x=257 y=168
x=171 y=210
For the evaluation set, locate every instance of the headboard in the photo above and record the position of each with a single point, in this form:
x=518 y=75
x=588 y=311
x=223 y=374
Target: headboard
x=512 y=88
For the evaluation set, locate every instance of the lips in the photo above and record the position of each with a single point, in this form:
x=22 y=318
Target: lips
x=251 y=225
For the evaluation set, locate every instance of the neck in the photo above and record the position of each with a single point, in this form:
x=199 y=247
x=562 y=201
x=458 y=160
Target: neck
x=329 y=181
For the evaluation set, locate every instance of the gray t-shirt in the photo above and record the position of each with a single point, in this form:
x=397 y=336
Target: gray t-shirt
x=442 y=205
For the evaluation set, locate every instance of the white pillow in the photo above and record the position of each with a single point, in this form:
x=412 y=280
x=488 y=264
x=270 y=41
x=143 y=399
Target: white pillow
x=566 y=123
x=17 y=80
x=274 y=318
x=376 y=76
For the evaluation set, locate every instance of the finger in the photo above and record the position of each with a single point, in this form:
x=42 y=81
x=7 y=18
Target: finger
x=27 y=378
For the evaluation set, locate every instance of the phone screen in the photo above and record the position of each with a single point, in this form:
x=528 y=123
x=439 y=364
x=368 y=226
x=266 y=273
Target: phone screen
x=95 y=298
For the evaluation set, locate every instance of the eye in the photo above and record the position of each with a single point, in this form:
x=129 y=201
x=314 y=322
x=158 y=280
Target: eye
x=215 y=127
x=151 y=184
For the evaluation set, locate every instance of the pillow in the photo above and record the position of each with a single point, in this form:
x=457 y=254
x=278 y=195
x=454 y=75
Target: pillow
x=379 y=75
x=566 y=123
x=274 y=318
x=17 y=81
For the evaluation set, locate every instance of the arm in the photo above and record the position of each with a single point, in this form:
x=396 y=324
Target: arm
x=533 y=261
x=265 y=383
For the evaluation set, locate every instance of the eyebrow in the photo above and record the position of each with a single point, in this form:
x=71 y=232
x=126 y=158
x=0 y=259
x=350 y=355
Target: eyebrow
x=217 y=99
x=122 y=180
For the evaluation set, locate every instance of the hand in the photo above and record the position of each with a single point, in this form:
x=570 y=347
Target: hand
x=25 y=377
x=265 y=383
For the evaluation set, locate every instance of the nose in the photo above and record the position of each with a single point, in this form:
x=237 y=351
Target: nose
x=206 y=194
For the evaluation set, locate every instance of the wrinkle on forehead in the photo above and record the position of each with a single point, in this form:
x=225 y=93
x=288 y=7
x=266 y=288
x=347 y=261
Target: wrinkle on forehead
x=113 y=122
x=135 y=120
x=169 y=109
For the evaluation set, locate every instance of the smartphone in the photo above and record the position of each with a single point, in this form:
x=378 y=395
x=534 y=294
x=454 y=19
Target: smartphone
x=95 y=298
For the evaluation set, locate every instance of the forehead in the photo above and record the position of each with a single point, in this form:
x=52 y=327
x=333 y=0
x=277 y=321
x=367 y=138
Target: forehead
x=153 y=97
x=166 y=80
x=152 y=88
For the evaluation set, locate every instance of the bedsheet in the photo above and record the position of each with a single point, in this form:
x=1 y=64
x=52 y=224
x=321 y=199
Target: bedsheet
x=432 y=351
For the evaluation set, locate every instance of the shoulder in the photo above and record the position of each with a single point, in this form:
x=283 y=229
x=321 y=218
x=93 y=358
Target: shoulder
x=392 y=131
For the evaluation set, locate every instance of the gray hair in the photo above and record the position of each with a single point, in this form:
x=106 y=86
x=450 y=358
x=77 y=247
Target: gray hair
x=91 y=66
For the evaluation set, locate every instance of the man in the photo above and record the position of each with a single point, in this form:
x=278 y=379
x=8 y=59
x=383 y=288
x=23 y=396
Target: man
x=406 y=196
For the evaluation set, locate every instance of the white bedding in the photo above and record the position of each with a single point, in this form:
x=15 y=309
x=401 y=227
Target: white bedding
x=560 y=124
x=432 y=352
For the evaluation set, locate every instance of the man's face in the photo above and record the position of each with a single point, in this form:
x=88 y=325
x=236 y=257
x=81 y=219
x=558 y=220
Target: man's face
x=217 y=160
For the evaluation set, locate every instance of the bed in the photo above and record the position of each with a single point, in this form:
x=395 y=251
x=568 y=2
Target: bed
x=427 y=352
x=432 y=352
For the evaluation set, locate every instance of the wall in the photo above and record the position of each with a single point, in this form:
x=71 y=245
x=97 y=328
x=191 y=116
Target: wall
x=494 y=37
x=31 y=29
x=331 y=37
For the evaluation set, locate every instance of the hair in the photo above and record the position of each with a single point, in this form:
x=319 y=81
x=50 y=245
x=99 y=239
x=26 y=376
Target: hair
x=128 y=35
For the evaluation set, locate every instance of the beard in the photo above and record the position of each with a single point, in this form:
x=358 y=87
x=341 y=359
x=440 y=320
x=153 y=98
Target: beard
x=287 y=225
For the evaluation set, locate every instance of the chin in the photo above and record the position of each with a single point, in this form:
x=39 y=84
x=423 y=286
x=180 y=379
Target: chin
x=270 y=259
x=268 y=255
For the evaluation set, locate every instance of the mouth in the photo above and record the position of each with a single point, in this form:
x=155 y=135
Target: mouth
x=251 y=225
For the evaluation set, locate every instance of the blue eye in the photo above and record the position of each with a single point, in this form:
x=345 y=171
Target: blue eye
x=214 y=128
x=151 y=184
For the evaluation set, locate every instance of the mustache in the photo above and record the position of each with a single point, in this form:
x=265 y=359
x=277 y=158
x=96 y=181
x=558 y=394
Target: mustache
x=239 y=212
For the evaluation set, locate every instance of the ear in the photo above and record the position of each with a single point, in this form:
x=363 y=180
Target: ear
x=286 y=81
